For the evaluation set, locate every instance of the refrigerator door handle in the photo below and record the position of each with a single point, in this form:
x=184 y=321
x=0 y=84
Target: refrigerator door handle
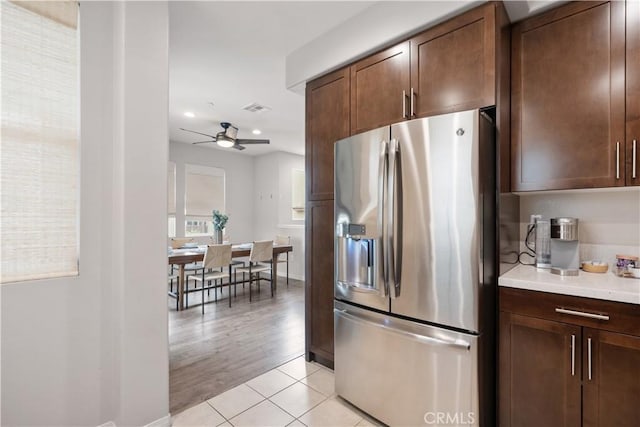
x=390 y=219
x=458 y=343
x=394 y=239
x=381 y=257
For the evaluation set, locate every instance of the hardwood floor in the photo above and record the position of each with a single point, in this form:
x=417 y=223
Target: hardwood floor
x=211 y=353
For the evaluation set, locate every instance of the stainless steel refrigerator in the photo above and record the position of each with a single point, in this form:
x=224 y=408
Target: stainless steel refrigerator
x=415 y=263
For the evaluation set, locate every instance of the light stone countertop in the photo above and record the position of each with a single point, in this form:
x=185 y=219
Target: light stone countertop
x=604 y=286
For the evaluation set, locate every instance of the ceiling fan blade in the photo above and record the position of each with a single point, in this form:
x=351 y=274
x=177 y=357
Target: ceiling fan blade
x=199 y=133
x=203 y=142
x=252 y=141
x=239 y=147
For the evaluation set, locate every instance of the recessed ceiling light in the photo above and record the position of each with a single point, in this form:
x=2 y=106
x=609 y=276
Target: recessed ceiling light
x=189 y=114
x=256 y=131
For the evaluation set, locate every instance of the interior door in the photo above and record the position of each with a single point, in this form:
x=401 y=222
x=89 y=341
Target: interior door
x=435 y=255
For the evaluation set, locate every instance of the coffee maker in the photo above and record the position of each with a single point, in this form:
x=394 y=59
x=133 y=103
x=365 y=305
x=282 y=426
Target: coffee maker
x=565 y=247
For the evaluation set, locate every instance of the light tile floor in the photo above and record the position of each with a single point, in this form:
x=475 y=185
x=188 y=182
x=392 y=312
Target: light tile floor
x=297 y=393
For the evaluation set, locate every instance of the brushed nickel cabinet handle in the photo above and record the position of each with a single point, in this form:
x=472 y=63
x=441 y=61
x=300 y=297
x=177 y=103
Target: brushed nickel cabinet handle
x=582 y=314
x=573 y=355
x=633 y=157
x=589 y=356
x=404 y=104
x=618 y=160
x=413 y=113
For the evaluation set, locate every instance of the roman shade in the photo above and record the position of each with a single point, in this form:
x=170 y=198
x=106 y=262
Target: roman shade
x=39 y=153
x=204 y=191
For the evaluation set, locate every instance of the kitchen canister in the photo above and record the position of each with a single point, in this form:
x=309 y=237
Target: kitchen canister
x=624 y=263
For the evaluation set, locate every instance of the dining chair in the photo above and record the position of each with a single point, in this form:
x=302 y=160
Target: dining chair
x=216 y=258
x=190 y=271
x=170 y=278
x=283 y=257
x=259 y=257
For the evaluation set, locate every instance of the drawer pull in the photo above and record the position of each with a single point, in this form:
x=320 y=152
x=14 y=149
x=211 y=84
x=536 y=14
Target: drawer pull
x=582 y=314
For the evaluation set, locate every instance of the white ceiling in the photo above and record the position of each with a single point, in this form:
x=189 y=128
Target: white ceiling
x=232 y=53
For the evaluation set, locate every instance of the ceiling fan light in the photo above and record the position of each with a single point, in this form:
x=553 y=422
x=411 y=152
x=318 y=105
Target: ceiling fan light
x=224 y=141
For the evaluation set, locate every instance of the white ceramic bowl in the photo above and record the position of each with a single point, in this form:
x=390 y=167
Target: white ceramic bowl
x=635 y=272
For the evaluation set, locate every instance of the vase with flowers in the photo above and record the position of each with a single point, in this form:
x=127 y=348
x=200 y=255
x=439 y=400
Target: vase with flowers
x=219 y=222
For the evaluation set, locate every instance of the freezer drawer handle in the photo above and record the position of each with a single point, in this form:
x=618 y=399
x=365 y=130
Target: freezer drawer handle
x=359 y=287
x=428 y=340
x=582 y=314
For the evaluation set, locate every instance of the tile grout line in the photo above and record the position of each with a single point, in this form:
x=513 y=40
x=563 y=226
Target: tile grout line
x=228 y=420
x=297 y=418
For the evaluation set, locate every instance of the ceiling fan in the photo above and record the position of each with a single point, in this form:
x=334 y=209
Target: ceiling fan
x=228 y=137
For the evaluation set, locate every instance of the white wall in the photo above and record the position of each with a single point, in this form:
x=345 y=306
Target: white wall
x=93 y=349
x=609 y=218
x=238 y=181
x=272 y=192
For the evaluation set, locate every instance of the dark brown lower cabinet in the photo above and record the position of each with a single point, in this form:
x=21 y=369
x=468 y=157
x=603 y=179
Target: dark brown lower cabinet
x=319 y=282
x=541 y=373
x=559 y=368
x=611 y=379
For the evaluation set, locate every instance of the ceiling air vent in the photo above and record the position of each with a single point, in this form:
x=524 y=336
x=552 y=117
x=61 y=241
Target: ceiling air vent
x=256 y=108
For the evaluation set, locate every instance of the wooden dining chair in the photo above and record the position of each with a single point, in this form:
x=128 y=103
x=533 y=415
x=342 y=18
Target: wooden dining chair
x=216 y=258
x=283 y=257
x=261 y=253
x=171 y=277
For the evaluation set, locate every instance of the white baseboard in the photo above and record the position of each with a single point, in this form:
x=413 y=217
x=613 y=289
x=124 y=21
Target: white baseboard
x=161 y=422
x=292 y=276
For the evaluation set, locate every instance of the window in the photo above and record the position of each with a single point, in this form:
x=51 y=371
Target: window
x=297 y=194
x=39 y=157
x=171 y=199
x=204 y=193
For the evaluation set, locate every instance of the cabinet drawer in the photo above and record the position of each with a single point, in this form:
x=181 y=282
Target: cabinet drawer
x=623 y=318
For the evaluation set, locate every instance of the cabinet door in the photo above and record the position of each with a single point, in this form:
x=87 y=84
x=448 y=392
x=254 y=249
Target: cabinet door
x=319 y=279
x=453 y=64
x=633 y=93
x=380 y=89
x=611 y=378
x=327 y=120
x=539 y=372
x=568 y=118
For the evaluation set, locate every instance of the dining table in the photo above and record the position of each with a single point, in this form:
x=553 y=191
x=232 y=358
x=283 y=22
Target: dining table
x=188 y=255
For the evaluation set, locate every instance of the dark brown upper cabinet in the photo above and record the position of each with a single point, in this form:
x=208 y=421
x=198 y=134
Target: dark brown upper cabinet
x=380 y=89
x=327 y=120
x=450 y=67
x=568 y=98
x=633 y=93
x=453 y=64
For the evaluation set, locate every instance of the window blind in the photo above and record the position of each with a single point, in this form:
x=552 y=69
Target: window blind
x=39 y=148
x=204 y=191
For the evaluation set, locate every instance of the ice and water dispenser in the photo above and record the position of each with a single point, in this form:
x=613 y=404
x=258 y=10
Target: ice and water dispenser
x=356 y=257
